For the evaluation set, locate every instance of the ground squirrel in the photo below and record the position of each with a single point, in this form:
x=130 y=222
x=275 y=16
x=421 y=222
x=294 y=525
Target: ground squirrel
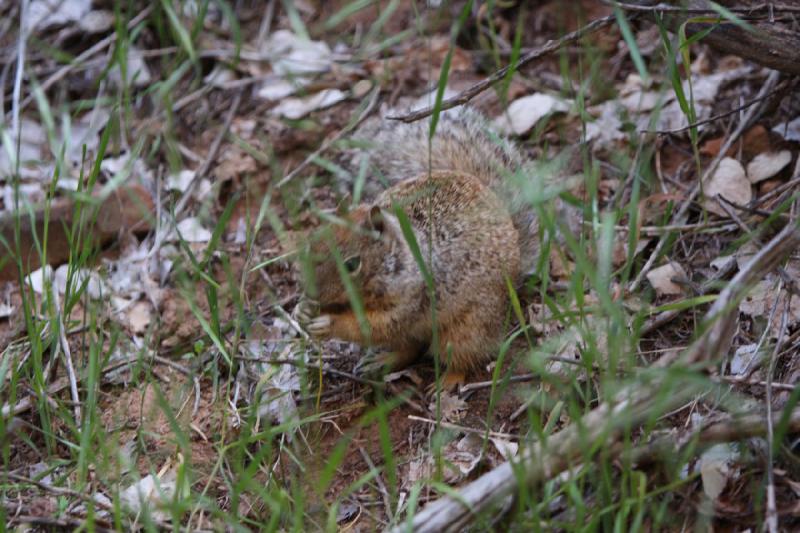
x=474 y=232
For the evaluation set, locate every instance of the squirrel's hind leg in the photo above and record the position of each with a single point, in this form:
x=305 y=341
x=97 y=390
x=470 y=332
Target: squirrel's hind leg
x=464 y=348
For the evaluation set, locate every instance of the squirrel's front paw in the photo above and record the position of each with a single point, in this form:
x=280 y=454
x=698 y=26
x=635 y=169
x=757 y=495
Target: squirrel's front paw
x=305 y=311
x=320 y=326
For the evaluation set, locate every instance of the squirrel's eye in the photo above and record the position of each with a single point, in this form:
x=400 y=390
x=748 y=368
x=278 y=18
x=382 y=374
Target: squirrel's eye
x=353 y=264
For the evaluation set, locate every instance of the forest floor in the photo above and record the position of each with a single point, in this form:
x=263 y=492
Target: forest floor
x=174 y=153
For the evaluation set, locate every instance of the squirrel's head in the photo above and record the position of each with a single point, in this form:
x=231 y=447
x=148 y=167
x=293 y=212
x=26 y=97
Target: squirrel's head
x=357 y=253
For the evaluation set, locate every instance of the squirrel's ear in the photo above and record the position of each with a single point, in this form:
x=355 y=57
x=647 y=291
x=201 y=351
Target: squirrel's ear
x=376 y=221
x=344 y=205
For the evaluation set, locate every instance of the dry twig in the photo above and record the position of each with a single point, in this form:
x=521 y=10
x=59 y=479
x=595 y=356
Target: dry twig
x=548 y=48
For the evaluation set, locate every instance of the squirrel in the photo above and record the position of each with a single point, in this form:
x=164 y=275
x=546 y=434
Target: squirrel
x=475 y=233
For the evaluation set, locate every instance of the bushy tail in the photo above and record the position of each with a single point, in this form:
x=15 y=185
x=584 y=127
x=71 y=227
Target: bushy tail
x=463 y=142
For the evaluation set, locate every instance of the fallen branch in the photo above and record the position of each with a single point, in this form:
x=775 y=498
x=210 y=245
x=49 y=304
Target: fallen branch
x=763 y=42
x=730 y=429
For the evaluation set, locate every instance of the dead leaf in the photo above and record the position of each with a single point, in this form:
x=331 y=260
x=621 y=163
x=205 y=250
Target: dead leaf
x=233 y=163
x=452 y=407
x=506 y=448
x=721 y=263
x=730 y=182
x=419 y=469
x=361 y=88
x=743 y=359
x=150 y=494
x=276 y=88
x=462 y=457
x=180 y=181
x=96 y=21
x=716 y=469
x=661 y=278
x=32 y=138
x=759 y=303
x=790 y=130
x=766 y=165
x=653 y=207
x=294 y=55
x=95 y=287
x=137 y=73
x=523 y=113
x=45 y=13
x=139 y=317
x=606 y=130
x=754 y=141
x=190 y=230
x=295 y=108
x=38 y=279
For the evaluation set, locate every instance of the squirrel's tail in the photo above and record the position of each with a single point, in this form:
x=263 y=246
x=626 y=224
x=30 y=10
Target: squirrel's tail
x=463 y=142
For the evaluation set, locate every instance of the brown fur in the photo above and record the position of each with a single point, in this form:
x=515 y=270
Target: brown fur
x=469 y=245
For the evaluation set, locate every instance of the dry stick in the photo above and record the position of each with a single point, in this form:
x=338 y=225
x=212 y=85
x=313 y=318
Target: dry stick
x=775 y=192
x=379 y=479
x=266 y=23
x=631 y=406
x=744 y=380
x=770 y=7
x=742 y=107
x=86 y=54
x=542 y=51
x=202 y=170
x=679 y=217
x=16 y=108
x=327 y=144
x=65 y=522
x=57 y=386
x=67 y=351
x=314 y=366
x=464 y=429
x=63 y=491
x=730 y=429
x=772 y=511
